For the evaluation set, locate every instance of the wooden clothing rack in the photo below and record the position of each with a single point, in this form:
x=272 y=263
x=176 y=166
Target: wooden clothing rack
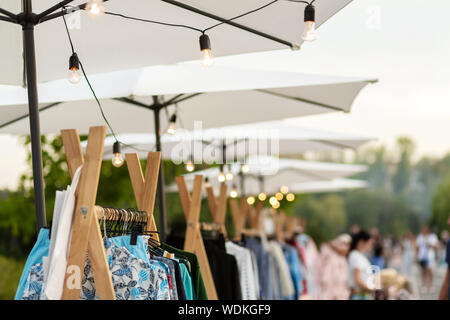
x=86 y=234
x=193 y=242
x=218 y=206
x=239 y=216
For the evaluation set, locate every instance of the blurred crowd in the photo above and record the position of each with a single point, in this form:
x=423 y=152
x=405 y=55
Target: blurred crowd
x=365 y=265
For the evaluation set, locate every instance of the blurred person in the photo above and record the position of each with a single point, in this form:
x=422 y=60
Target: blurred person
x=444 y=294
x=354 y=229
x=408 y=246
x=334 y=268
x=443 y=247
x=359 y=266
x=427 y=243
x=377 y=258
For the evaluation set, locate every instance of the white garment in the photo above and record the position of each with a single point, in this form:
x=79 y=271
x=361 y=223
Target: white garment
x=245 y=267
x=358 y=261
x=287 y=285
x=425 y=243
x=54 y=284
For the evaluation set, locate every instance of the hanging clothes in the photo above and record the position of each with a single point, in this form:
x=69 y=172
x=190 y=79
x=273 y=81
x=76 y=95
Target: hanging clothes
x=286 y=284
x=293 y=262
x=199 y=290
x=33 y=267
x=246 y=271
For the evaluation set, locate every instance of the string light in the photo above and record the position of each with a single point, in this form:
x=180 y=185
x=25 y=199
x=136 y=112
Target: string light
x=273 y=200
x=234 y=192
x=309 y=34
x=262 y=196
x=251 y=200
x=207 y=57
x=172 y=121
x=279 y=196
x=74 y=69
x=245 y=168
x=290 y=197
x=221 y=177
x=117 y=159
x=229 y=175
x=276 y=205
x=95 y=8
x=190 y=166
x=284 y=189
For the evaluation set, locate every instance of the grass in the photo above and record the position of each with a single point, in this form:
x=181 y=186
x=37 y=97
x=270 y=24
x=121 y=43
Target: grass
x=10 y=272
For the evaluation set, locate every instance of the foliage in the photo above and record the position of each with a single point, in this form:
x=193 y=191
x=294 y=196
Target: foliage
x=8 y=284
x=441 y=205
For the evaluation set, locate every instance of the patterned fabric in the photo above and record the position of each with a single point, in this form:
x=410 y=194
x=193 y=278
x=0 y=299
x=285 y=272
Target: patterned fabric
x=133 y=278
x=35 y=281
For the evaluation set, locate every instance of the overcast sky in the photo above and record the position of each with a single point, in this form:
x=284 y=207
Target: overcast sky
x=403 y=43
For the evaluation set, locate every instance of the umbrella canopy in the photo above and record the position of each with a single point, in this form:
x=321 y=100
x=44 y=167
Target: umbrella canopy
x=334 y=185
x=268 y=174
x=111 y=43
x=241 y=141
x=217 y=96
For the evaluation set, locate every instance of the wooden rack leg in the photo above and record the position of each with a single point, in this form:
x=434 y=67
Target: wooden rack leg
x=145 y=188
x=218 y=207
x=194 y=241
x=86 y=235
x=239 y=215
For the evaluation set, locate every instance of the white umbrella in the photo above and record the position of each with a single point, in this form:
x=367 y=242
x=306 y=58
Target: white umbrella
x=241 y=141
x=334 y=185
x=99 y=42
x=269 y=174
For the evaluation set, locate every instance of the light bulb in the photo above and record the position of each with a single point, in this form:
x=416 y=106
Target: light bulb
x=189 y=166
x=234 y=192
x=284 y=189
x=74 y=69
x=221 y=177
x=273 y=200
x=262 y=196
x=117 y=160
x=207 y=57
x=309 y=34
x=171 y=129
x=95 y=7
x=245 y=168
x=279 y=196
x=74 y=76
x=290 y=197
x=276 y=205
x=229 y=176
x=251 y=200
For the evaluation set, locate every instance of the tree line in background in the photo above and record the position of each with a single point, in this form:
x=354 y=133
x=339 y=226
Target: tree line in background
x=402 y=196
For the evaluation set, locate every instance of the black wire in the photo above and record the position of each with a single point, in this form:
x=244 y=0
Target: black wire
x=154 y=21
x=299 y=1
x=241 y=15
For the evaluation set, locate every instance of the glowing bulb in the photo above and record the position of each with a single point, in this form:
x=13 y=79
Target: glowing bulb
x=279 y=196
x=117 y=159
x=251 y=200
x=290 y=197
x=262 y=196
x=234 y=192
x=245 y=168
x=229 y=176
x=189 y=166
x=284 y=189
x=273 y=200
x=74 y=76
x=95 y=7
x=171 y=129
x=309 y=34
x=276 y=205
x=221 y=177
x=207 y=58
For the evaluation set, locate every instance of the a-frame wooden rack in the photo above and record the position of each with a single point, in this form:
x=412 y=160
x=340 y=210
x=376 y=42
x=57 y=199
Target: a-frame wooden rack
x=86 y=234
x=191 y=204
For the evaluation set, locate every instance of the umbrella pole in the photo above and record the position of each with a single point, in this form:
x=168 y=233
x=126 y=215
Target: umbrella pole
x=30 y=66
x=160 y=191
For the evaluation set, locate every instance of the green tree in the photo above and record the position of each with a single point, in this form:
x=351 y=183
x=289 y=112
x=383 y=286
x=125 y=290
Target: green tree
x=401 y=178
x=441 y=205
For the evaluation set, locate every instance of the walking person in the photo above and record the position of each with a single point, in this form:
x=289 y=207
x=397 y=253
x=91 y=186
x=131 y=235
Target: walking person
x=427 y=243
x=359 y=266
x=445 y=287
